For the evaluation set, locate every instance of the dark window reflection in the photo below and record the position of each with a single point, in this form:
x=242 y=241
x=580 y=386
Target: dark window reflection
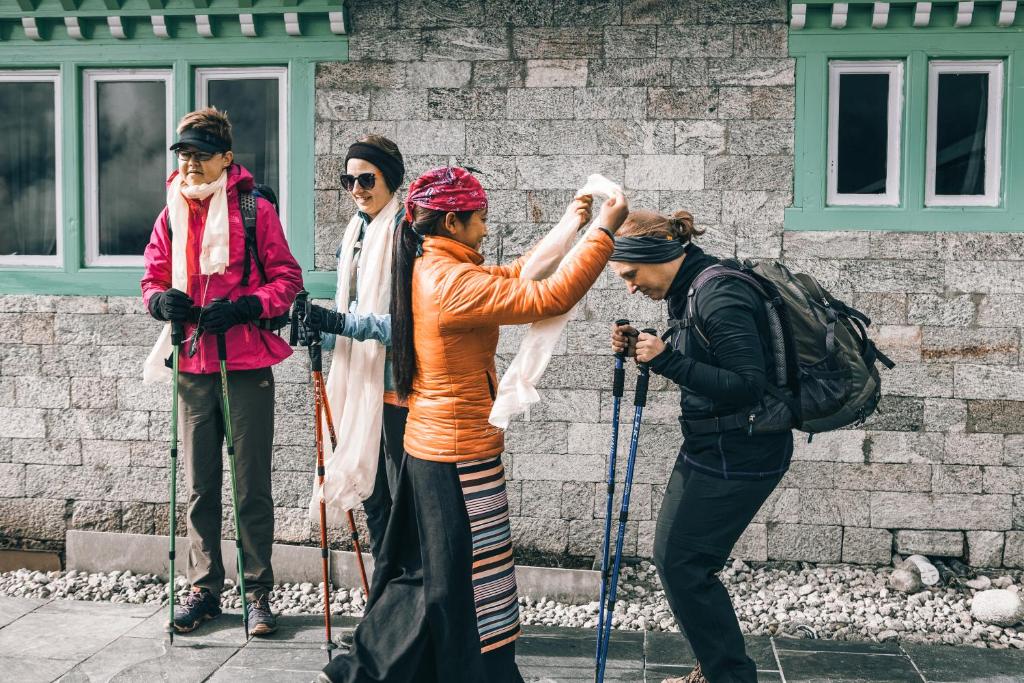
x=961 y=114
x=28 y=170
x=252 y=106
x=131 y=134
x=863 y=130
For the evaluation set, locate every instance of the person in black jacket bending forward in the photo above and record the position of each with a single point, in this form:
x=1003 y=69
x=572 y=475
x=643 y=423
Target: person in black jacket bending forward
x=721 y=477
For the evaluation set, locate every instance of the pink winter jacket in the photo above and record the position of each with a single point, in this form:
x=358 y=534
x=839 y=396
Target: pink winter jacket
x=248 y=346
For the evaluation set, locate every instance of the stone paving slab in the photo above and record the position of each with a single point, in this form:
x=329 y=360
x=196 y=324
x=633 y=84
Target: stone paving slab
x=85 y=642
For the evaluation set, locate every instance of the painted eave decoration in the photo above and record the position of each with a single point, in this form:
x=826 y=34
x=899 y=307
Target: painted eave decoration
x=867 y=15
x=127 y=20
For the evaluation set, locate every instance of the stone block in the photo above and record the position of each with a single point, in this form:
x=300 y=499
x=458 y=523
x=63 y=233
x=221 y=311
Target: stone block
x=761 y=40
x=904 y=245
x=1004 y=480
x=810 y=474
x=406 y=104
x=985 y=548
x=884 y=308
x=540 y=534
x=625 y=42
x=396 y=45
x=842 y=508
x=104 y=483
x=23 y=303
x=38 y=518
x=664 y=172
x=605 y=136
x=582 y=42
x=586 y=12
x=87 y=392
x=940 y=511
x=565 y=171
x=639 y=501
x=499 y=74
x=891 y=276
x=630 y=73
x=772 y=173
x=706 y=206
x=973 y=449
x=578 y=499
x=901 y=343
x=699 y=137
x=23 y=423
x=19 y=360
x=958 y=479
x=1013 y=450
x=138 y=518
x=610 y=103
x=897 y=414
x=12 y=480
x=747 y=71
x=466 y=44
x=841 y=446
x=503 y=138
x=440 y=13
x=585 y=537
x=695 y=41
x=979 y=345
x=8 y=392
x=989 y=382
x=559 y=467
x=682 y=103
x=692 y=72
x=995 y=416
x=342 y=105
x=985 y=277
x=759 y=241
x=94 y=515
x=47 y=451
x=42 y=392
x=760 y=137
x=981 y=246
x=826 y=244
x=866 y=546
x=556 y=73
x=540 y=103
x=994 y=310
x=930 y=543
x=467 y=103
x=359 y=75
x=755 y=102
x=124 y=361
x=431 y=137
x=805 y=542
x=1013 y=553
x=660 y=12
x=742 y=12
x=753 y=208
x=539 y=437
x=926 y=380
x=884 y=477
x=542 y=499
x=752 y=545
x=142 y=453
x=122 y=425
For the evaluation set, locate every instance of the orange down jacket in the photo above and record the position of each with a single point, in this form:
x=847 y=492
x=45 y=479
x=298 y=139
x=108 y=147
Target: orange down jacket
x=457 y=306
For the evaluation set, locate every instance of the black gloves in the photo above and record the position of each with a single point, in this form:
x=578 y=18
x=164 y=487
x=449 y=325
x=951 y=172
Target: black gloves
x=171 y=305
x=221 y=315
x=320 y=319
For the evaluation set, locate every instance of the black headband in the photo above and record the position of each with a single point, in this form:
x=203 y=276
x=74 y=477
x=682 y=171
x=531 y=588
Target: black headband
x=202 y=140
x=647 y=249
x=391 y=168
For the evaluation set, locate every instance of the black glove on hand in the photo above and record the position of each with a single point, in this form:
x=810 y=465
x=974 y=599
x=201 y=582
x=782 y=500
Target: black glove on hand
x=320 y=319
x=171 y=305
x=220 y=316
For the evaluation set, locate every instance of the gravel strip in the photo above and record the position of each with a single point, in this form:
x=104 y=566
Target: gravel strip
x=800 y=600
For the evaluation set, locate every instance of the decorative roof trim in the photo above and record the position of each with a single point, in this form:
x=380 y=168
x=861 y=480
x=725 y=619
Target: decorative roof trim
x=74 y=30
x=799 y=18
x=964 y=14
x=1007 y=13
x=840 y=12
x=880 y=15
x=159 y=26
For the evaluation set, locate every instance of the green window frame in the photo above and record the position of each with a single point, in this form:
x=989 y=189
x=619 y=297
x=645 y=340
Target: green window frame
x=186 y=52
x=825 y=37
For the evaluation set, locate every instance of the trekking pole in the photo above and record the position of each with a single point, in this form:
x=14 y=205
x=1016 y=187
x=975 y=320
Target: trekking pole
x=177 y=332
x=618 y=380
x=222 y=354
x=639 y=401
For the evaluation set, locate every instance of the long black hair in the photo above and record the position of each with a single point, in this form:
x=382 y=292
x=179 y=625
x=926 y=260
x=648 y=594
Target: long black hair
x=408 y=241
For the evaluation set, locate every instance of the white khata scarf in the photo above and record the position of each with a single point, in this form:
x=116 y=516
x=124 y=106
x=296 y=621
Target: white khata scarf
x=355 y=384
x=213 y=259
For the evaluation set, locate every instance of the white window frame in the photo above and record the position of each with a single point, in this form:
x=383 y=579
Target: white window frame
x=90 y=80
x=891 y=196
x=993 y=131
x=45 y=76
x=203 y=77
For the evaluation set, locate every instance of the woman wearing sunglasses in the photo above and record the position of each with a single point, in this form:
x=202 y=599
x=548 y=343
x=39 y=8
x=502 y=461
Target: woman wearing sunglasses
x=367 y=413
x=444 y=604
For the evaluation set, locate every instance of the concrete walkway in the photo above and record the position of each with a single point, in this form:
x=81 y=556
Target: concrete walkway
x=80 y=642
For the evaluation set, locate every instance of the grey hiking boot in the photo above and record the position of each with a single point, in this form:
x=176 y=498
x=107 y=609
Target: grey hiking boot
x=200 y=605
x=262 y=621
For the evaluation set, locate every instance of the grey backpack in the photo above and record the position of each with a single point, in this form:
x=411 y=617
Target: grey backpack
x=825 y=374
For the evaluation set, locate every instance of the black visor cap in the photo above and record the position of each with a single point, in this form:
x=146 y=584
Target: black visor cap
x=201 y=140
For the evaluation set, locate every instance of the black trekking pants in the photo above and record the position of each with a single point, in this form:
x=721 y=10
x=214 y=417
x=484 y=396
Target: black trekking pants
x=392 y=448
x=701 y=519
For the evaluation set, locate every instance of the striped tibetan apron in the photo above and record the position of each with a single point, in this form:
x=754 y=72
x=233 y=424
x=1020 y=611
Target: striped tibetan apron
x=494 y=572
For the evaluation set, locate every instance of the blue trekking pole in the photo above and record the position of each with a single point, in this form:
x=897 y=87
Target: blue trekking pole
x=639 y=401
x=618 y=380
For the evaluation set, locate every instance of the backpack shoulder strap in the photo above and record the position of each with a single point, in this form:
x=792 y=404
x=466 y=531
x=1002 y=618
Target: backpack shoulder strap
x=247 y=207
x=719 y=270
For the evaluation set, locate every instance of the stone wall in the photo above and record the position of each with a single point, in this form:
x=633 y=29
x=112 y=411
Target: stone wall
x=691 y=106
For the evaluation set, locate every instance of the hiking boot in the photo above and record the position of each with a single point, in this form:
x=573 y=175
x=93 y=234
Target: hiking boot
x=200 y=605
x=262 y=621
x=694 y=676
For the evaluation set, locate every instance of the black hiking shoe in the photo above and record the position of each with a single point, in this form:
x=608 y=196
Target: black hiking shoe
x=200 y=605
x=262 y=621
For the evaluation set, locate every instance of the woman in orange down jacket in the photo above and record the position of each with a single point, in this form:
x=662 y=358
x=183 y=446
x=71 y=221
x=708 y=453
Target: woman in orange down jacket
x=444 y=604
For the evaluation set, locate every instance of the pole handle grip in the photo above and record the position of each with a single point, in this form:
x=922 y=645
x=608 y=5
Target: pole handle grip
x=621 y=356
x=643 y=379
x=222 y=347
x=300 y=300
x=177 y=333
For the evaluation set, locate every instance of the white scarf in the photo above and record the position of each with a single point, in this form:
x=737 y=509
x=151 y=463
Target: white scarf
x=518 y=387
x=213 y=259
x=355 y=384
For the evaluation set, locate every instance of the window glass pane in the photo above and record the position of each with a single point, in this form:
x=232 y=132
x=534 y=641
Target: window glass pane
x=28 y=169
x=962 y=110
x=863 y=131
x=252 y=106
x=131 y=129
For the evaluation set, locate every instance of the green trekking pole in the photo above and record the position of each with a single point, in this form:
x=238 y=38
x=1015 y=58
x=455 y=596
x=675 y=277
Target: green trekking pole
x=177 y=332
x=222 y=354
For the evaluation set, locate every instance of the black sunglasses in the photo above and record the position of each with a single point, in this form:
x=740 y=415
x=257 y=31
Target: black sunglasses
x=366 y=180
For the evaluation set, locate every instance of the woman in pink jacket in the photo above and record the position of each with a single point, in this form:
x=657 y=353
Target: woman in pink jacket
x=201 y=268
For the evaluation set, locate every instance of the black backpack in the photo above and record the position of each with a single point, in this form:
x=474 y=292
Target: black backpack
x=247 y=207
x=825 y=374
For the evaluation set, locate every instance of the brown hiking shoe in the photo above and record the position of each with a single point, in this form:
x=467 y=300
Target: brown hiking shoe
x=694 y=676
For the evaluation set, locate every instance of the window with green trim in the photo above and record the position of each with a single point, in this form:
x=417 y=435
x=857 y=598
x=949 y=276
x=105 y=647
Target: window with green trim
x=88 y=103
x=908 y=116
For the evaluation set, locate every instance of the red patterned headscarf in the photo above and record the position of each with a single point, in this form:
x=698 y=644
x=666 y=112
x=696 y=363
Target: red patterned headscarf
x=448 y=188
